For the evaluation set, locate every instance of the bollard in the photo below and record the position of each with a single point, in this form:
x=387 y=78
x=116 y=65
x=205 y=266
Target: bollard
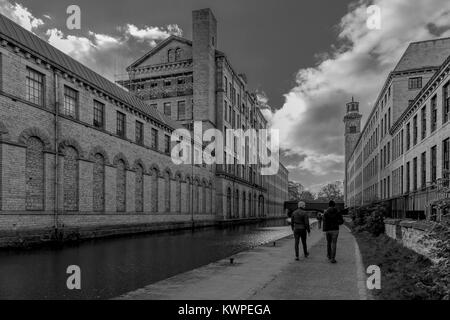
x=274 y=244
x=231 y=261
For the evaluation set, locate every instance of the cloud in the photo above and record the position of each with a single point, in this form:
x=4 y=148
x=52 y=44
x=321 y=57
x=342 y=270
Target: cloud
x=107 y=54
x=310 y=122
x=152 y=34
x=21 y=15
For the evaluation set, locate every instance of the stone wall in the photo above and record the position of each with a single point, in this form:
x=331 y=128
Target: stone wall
x=411 y=234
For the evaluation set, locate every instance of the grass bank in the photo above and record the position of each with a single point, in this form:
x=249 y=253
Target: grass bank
x=401 y=268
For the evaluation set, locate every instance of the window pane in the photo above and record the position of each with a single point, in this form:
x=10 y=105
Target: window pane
x=120 y=124
x=70 y=102
x=35 y=87
x=98 y=114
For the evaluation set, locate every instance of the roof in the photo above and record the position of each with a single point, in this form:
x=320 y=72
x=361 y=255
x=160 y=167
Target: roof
x=161 y=45
x=21 y=37
x=158 y=47
x=429 y=53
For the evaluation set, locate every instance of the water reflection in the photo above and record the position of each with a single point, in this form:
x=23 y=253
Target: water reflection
x=111 y=267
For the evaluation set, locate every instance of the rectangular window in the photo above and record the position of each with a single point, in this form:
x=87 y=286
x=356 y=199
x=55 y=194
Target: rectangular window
x=424 y=169
x=226 y=86
x=424 y=122
x=415 y=83
x=433 y=114
x=408 y=176
x=408 y=136
x=225 y=108
x=446 y=159
x=445 y=102
x=433 y=167
x=35 y=87
x=415 y=130
x=167 y=144
x=154 y=139
x=388 y=153
x=415 y=174
x=99 y=115
x=401 y=179
x=153 y=84
x=139 y=132
x=70 y=105
x=181 y=110
x=167 y=83
x=181 y=81
x=120 y=130
x=168 y=109
x=389 y=118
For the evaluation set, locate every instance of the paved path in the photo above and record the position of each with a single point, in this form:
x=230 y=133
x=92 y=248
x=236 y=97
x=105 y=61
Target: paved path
x=270 y=272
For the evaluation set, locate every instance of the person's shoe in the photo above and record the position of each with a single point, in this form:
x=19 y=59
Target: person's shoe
x=297 y=259
x=307 y=255
x=333 y=261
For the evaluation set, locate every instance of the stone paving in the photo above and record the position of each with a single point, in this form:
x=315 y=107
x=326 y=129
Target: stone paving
x=270 y=273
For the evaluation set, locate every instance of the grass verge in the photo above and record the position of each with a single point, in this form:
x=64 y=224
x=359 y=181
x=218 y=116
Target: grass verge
x=401 y=268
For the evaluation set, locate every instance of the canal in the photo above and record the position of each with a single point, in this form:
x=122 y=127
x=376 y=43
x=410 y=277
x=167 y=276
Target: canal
x=111 y=267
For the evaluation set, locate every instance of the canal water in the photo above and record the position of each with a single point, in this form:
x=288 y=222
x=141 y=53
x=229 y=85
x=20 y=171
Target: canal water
x=114 y=266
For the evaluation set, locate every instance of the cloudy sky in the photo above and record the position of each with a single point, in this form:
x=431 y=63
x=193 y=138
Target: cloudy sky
x=308 y=57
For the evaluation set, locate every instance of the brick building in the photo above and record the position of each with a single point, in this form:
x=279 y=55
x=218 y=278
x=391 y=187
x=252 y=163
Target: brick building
x=178 y=74
x=84 y=157
x=401 y=157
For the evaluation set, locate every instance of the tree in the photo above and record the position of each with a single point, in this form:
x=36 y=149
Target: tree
x=331 y=191
x=307 y=196
x=295 y=190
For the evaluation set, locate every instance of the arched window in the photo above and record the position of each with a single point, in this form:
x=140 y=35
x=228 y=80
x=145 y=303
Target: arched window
x=178 y=52
x=99 y=183
x=189 y=194
x=243 y=204
x=170 y=55
x=211 y=201
x=229 y=203
x=121 y=190
x=236 y=204
x=139 y=188
x=204 y=198
x=250 y=205
x=70 y=179
x=196 y=196
x=34 y=174
x=154 y=190
x=167 y=190
x=178 y=193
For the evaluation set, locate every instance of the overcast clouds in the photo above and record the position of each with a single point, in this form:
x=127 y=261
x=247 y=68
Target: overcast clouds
x=310 y=121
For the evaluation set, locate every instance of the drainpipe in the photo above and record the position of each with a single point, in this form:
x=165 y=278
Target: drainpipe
x=56 y=203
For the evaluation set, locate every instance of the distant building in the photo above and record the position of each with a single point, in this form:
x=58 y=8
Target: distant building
x=401 y=156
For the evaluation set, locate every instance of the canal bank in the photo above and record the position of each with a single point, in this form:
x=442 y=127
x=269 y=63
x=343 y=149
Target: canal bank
x=24 y=238
x=269 y=272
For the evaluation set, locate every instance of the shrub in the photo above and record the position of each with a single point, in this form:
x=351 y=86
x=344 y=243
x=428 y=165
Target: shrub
x=370 y=219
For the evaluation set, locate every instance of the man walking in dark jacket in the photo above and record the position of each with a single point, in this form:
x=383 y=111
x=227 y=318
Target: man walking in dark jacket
x=332 y=219
x=300 y=226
